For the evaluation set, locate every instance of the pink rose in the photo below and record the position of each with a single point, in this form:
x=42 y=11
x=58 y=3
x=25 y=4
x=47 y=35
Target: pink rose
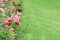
x=12 y=29
x=7 y=1
x=16 y=19
x=2 y=10
x=5 y=22
x=1 y=0
x=16 y=22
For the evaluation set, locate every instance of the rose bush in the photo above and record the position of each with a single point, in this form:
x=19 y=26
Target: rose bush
x=10 y=16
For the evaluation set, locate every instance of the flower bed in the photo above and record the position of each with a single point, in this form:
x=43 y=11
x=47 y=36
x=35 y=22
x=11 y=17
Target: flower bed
x=10 y=16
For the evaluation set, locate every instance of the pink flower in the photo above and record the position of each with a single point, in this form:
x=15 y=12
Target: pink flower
x=16 y=22
x=1 y=0
x=2 y=10
x=16 y=19
x=16 y=16
x=5 y=22
x=9 y=19
x=7 y=1
x=12 y=29
x=9 y=22
x=12 y=18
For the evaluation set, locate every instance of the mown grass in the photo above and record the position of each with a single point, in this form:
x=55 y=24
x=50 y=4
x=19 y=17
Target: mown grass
x=40 y=20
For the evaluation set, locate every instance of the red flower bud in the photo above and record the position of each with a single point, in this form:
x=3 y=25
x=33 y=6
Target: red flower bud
x=9 y=21
x=19 y=10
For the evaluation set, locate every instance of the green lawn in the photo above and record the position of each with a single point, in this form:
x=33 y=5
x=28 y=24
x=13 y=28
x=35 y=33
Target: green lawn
x=40 y=20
